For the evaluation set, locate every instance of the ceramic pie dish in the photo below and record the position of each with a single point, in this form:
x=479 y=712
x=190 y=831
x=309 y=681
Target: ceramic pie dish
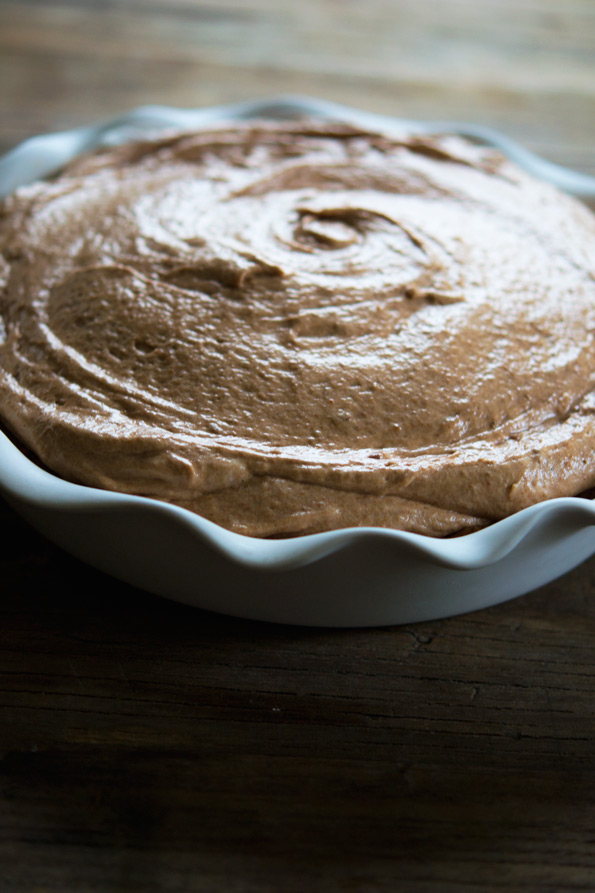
x=350 y=577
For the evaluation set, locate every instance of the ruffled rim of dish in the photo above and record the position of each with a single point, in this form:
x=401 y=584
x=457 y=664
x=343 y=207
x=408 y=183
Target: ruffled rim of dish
x=27 y=483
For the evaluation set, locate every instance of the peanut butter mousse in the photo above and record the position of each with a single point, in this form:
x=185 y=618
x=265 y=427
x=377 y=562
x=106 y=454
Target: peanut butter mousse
x=295 y=327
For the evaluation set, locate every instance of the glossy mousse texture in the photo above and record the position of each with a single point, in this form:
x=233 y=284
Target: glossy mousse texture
x=296 y=327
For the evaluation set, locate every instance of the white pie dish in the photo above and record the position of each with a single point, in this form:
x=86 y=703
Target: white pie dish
x=354 y=577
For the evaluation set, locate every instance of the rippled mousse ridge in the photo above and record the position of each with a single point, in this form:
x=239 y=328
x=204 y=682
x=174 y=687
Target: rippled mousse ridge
x=296 y=327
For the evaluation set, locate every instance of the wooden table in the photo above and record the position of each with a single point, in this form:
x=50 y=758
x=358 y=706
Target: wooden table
x=146 y=746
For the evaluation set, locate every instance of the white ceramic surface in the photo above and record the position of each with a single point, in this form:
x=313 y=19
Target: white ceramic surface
x=354 y=577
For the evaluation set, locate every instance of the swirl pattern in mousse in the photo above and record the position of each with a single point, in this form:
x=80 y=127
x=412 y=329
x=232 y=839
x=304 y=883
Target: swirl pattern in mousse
x=302 y=326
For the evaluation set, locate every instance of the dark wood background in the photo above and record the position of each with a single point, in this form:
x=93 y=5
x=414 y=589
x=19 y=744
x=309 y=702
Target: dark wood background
x=146 y=746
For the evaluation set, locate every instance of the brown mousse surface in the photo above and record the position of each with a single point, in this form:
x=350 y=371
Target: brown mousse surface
x=295 y=327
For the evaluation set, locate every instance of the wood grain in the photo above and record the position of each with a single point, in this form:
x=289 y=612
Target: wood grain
x=525 y=67
x=146 y=746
